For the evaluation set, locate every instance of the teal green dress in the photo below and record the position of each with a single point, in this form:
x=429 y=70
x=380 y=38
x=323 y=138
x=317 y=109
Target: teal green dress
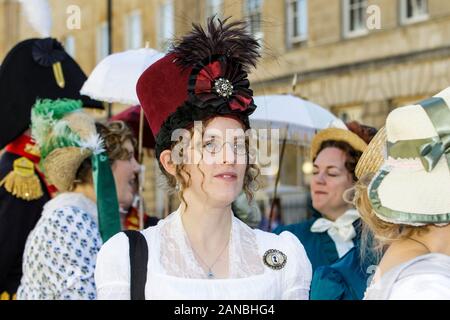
x=346 y=279
x=333 y=278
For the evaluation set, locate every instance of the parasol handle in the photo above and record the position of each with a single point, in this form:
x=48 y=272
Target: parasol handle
x=142 y=171
x=141 y=136
x=141 y=197
x=294 y=83
x=277 y=180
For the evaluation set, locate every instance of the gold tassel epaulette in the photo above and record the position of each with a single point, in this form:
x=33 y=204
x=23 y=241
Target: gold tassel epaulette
x=6 y=296
x=23 y=182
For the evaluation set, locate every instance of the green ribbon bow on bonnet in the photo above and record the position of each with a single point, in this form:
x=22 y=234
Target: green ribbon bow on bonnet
x=432 y=149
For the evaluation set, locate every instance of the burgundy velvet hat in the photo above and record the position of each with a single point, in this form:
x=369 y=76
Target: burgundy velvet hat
x=202 y=76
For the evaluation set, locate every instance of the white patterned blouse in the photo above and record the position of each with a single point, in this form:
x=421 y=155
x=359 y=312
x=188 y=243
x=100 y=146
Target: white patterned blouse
x=61 y=251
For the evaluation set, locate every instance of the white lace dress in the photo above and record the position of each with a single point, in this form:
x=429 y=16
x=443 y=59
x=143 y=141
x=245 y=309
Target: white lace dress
x=174 y=273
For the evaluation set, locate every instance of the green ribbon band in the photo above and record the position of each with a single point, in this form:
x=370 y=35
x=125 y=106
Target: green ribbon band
x=396 y=216
x=105 y=190
x=428 y=150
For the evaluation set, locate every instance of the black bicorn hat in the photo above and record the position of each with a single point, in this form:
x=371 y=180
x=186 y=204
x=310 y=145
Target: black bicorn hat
x=36 y=69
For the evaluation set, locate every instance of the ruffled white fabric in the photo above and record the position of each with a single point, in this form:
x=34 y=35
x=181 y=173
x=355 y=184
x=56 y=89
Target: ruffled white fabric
x=174 y=273
x=425 y=277
x=422 y=287
x=340 y=231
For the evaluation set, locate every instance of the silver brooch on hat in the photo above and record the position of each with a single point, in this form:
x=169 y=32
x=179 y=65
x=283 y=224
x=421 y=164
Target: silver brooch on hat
x=275 y=259
x=223 y=87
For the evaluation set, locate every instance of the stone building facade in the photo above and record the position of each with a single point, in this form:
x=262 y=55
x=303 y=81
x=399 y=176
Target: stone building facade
x=358 y=58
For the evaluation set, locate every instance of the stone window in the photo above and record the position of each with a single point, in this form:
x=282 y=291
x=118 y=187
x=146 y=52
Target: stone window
x=69 y=45
x=102 y=41
x=166 y=24
x=253 y=11
x=412 y=11
x=214 y=7
x=297 y=21
x=133 y=30
x=354 y=18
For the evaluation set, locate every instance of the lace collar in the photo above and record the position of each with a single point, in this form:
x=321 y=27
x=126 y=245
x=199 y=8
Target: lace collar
x=178 y=259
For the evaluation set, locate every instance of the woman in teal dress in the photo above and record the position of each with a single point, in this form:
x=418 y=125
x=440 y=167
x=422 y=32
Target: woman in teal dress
x=319 y=246
x=346 y=279
x=332 y=239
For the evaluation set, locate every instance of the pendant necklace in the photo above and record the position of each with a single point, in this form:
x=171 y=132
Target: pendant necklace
x=210 y=273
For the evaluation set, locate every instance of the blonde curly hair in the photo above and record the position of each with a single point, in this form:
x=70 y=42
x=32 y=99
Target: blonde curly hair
x=377 y=232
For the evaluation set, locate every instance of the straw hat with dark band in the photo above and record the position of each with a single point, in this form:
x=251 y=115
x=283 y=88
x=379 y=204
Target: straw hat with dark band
x=336 y=134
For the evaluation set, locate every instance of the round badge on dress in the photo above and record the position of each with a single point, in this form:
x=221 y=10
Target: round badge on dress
x=275 y=259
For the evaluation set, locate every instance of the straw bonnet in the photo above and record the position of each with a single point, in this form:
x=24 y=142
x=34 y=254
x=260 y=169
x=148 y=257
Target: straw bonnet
x=374 y=155
x=336 y=134
x=67 y=136
x=413 y=185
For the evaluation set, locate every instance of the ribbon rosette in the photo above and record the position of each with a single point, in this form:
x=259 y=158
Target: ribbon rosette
x=222 y=84
x=47 y=52
x=431 y=152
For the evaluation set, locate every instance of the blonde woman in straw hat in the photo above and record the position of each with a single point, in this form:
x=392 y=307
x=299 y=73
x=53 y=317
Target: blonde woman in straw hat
x=410 y=197
x=86 y=165
x=335 y=152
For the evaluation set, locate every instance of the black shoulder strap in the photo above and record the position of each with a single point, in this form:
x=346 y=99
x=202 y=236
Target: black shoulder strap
x=138 y=264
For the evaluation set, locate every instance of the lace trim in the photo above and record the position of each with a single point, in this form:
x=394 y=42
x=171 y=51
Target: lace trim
x=403 y=163
x=178 y=259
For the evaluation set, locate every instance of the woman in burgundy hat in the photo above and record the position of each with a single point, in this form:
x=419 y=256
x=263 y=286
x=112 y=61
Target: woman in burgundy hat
x=201 y=251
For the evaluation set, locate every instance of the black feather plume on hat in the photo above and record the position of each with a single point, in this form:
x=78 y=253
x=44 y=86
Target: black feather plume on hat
x=232 y=40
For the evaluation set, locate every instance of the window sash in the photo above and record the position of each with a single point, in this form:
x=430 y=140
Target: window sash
x=354 y=18
x=102 y=41
x=413 y=10
x=70 y=45
x=166 y=26
x=214 y=7
x=297 y=20
x=357 y=14
x=133 y=27
x=254 y=8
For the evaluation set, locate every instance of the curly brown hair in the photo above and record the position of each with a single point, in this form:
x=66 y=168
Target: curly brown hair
x=352 y=156
x=250 y=184
x=114 y=135
x=364 y=132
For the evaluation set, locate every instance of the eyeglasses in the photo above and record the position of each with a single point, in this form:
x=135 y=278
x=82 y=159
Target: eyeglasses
x=214 y=146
